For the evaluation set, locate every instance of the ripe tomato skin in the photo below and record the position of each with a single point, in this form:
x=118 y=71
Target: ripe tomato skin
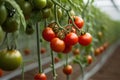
x=3 y=14
x=40 y=76
x=85 y=39
x=39 y=3
x=71 y=39
x=68 y=70
x=10 y=59
x=48 y=34
x=57 y=45
x=89 y=59
x=67 y=49
x=78 y=21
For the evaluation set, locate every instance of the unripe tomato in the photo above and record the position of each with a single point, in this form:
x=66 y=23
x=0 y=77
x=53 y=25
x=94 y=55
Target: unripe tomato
x=40 y=76
x=10 y=59
x=59 y=13
x=48 y=34
x=68 y=70
x=49 y=4
x=26 y=8
x=71 y=38
x=1 y=34
x=29 y=30
x=3 y=14
x=57 y=45
x=10 y=25
x=39 y=3
x=85 y=39
x=46 y=13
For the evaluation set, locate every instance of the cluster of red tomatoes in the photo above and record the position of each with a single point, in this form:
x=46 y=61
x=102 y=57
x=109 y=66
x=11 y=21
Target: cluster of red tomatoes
x=69 y=39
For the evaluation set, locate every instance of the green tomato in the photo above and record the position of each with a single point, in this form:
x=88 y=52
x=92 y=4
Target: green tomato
x=46 y=13
x=59 y=13
x=29 y=30
x=49 y=4
x=10 y=59
x=27 y=8
x=39 y=3
x=1 y=34
x=3 y=14
x=10 y=25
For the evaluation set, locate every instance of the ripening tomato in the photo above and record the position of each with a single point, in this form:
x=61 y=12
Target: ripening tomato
x=40 y=76
x=43 y=50
x=10 y=59
x=71 y=29
x=97 y=51
x=1 y=72
x=76 y=51
x=27 y=51
x=68 y=70
x=57 y=45
x=85 y=39
x=101 y=48
x=48 y=34
x=71 y=38
x=78 y=21
x=56 y=59
x=89 y=59
x=40 y=3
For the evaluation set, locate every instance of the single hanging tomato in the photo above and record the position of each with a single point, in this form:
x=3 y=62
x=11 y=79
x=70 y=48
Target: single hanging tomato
x=48 y=34
x=85 y=39
x=89 y=59
x=78 y=21
x=57 y=45
x=1 y=72
x=46 y=13
x=3 y=14
x=71 y=38
x=76 y=51
x=40 y=76
x=10 y=59
x=68 y=70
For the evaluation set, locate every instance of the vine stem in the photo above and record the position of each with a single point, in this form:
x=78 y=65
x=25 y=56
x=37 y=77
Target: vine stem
x=38 y=47
x=22 y=70
x=67 y=76
x=53 y=66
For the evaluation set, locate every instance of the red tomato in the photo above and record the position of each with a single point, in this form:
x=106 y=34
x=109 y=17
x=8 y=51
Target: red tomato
x=56 y=59
x=48 y=34
x=85 y=39
x=101 y=48
x=1 y=72
x=68 y=70
x=78 y=21
x=40 y=76
x=89 y=59
x=71 y=39
x=67 y=49
x=57 y=45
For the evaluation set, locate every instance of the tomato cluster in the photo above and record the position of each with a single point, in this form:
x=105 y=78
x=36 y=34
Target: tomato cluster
x=62 y=40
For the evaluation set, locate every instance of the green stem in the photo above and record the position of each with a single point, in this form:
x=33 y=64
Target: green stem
x=53 y=66
x=23 y=75
x=67 y=56
x=38 y=48
x=68 y=77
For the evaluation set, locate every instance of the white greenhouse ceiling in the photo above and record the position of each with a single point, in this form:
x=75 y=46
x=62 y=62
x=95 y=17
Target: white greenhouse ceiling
x=111 y=7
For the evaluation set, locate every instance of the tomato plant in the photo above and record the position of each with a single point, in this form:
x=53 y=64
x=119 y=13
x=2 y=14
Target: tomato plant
x=57 y=45
x=68 y=70
x=10 y=59
x=85 y=39
x=48 y=34
x=40 y=76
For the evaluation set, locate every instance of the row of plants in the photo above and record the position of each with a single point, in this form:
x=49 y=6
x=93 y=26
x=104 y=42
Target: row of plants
x=65 y=26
